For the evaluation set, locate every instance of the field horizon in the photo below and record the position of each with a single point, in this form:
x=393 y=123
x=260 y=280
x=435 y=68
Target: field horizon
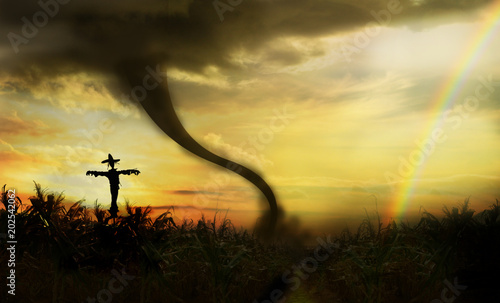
x=334 y=225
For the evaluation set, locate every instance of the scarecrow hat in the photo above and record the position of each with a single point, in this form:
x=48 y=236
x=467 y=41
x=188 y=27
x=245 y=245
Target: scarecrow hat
x=110 y=160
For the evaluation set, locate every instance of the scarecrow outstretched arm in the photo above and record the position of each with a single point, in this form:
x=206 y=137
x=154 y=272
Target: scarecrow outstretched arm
x=96 y=173
x=129 y=171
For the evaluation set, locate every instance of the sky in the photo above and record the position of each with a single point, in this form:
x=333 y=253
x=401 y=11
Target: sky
x=341 y=106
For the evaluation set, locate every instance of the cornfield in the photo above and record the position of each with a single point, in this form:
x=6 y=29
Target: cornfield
x=73 y=255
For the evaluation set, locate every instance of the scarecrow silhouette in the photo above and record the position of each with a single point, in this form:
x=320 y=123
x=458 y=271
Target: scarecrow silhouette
x=114 y=181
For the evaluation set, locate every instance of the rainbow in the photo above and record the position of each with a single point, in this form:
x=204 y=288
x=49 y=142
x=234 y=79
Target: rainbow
x=445 y=98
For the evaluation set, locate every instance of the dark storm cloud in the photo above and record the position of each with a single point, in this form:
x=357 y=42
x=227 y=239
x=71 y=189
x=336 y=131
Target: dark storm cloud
x=97 y=36
x=93 y=36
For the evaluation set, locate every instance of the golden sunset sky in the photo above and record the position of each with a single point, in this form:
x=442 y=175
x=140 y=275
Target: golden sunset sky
x=327 y=100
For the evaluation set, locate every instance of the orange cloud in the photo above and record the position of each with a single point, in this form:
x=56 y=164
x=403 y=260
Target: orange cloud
x=13 y=125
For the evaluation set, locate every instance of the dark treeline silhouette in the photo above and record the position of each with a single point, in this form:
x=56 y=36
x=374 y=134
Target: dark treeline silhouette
x=69 y=254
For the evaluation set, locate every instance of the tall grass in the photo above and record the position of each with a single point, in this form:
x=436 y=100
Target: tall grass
x=66 y=254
